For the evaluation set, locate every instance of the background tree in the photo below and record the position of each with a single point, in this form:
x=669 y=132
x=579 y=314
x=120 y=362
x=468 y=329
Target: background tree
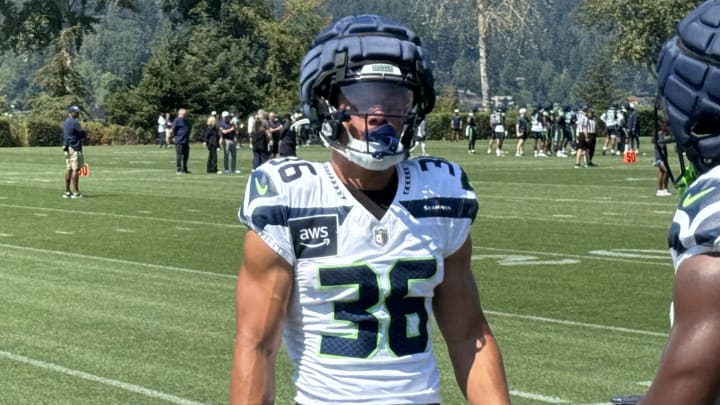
x=140 y=58
x=238 y=59
x=113 y=56
x=59 y=82
x=59 y=27
x=37 y=24
x=638 y=28
x=597 y=86
x=499 y=18
x=288 y=40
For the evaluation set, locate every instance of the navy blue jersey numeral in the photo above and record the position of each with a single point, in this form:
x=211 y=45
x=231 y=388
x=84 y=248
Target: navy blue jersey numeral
x=425 y=164
x=291 y=168
x=405 y=336
x=365 y=342
x=408 y=316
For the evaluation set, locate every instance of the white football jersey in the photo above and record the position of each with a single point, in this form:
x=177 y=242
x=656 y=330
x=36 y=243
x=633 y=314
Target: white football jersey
x=359 y=324
x=610 y=117
x=581 y=123
x=696 y=225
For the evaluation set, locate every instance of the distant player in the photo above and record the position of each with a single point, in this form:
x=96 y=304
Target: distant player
x=611 y=118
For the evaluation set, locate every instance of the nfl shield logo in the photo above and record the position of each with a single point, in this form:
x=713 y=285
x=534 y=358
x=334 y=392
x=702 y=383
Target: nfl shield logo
x=381 y=236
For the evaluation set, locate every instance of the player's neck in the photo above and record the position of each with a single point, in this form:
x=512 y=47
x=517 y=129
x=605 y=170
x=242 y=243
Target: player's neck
x=359 y=178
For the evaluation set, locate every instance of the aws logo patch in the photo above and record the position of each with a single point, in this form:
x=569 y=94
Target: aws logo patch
x=314 y=236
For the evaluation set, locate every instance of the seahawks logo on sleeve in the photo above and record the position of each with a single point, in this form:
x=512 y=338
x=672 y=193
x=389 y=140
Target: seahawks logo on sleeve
x=261 y=186
x=697 y=219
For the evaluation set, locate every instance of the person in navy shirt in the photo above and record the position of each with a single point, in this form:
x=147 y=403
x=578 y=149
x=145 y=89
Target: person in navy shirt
x=73 y=135
x=181 y=139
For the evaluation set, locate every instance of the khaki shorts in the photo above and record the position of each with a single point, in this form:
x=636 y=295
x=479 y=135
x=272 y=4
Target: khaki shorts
x=73 y=159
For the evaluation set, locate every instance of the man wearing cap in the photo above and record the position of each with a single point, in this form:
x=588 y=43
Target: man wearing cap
x=228 y=132
x=73 y=135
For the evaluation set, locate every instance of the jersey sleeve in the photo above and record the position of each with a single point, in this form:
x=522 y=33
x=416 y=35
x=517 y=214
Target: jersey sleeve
x=466 y=213
x=696 y=225
x=265 y=210
x=444 y=196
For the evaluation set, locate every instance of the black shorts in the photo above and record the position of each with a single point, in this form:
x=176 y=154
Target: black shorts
x=613 y=131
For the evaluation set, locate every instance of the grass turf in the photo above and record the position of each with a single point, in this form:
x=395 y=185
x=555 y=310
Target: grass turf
x=126 y=295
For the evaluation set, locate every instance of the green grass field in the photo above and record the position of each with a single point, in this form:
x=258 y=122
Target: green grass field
x=126 y=296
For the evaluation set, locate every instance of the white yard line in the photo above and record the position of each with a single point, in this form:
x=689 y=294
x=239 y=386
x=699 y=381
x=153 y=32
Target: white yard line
x=547 y=399
x=119 y=261
x=102 y=380
x=605 y=201
x=528 y=218
x=538 y=397
x=665 y=262
x=580 y=324
x=125 y=216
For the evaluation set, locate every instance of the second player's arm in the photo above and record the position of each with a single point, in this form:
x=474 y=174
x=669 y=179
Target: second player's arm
x=689 y=371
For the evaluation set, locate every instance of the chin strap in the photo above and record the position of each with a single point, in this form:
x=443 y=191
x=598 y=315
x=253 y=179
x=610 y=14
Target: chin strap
x=688 y=175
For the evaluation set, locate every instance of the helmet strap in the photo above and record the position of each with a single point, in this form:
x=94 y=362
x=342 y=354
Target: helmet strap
x=688 y=175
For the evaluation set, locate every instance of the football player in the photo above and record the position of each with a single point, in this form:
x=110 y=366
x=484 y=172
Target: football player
x=688 y=68
x=350 y=260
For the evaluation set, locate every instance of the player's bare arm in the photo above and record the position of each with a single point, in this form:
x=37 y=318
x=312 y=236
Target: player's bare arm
x=474 y=353
x=263 y=291
x=689 y=371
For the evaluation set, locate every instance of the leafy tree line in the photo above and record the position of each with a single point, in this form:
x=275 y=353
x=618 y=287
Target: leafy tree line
x=126 y=61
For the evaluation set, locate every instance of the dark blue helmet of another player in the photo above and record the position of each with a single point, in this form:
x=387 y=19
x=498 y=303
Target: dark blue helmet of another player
x=353 y=61
x=689 y=82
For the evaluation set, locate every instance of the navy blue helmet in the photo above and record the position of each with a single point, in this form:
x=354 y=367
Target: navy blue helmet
x=352 y=61
x=689 y=82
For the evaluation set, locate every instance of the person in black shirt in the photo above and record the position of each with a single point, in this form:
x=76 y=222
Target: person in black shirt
x=260 y=137
x=212 y=143
x=288 y=138
x=276 y=129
